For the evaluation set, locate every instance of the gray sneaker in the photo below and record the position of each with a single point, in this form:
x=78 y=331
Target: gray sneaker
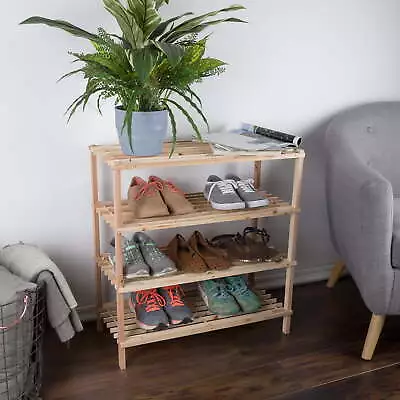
x=222 y=194
x=158 y=262
x=134 y=264
x=248 y=193
x=177 y=311
x=148 y=307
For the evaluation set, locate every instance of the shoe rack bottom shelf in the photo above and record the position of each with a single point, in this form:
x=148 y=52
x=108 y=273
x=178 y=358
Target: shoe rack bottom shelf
x=203 y=321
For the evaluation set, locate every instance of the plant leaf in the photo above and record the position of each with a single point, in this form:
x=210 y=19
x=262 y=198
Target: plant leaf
x=164 y=25
x=131 y=31
x=191 y=24
x=174 y=52
x=194 y=105
x=174 y=130
x=188 y=117
x=61 y=24
x=71 y=73
x=145 y=14
x=143 y=62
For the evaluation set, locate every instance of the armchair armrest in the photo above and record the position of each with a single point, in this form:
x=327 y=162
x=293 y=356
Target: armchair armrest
x=360 y=209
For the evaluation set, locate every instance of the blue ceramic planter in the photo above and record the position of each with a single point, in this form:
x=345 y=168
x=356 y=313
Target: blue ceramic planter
x=149 y=130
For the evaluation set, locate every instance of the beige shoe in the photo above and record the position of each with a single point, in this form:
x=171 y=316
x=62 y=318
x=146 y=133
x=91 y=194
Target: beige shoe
x=174 y=198
x=145 y=199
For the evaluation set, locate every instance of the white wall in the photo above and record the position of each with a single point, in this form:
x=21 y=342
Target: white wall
x=292 y=68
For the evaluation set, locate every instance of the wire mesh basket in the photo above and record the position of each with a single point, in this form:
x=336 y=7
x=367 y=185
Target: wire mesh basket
x=22 y=326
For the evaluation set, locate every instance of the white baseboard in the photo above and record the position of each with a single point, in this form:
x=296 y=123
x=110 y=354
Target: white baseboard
x=270 y=280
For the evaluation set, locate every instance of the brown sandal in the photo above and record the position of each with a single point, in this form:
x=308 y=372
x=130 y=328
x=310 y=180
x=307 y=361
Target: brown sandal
x=184 y=256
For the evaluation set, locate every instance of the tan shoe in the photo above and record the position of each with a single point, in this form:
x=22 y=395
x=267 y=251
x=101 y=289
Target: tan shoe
x=145 y=199
x=174 y=198
x=185 y=258
x=214 y=258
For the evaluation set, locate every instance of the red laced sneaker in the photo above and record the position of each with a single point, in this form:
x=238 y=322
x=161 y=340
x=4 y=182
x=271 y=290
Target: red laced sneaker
x=175 y=307
x=148 y=307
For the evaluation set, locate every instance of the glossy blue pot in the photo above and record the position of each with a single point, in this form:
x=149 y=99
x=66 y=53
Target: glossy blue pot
x=149 y=130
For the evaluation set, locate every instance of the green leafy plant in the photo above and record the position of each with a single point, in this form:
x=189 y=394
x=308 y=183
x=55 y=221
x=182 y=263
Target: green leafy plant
x=151 y=65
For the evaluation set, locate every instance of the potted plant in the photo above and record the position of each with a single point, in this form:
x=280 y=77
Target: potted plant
x=148 y=69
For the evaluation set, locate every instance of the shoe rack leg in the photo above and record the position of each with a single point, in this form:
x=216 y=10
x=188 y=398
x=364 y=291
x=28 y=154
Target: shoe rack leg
x=293 y=231
x=96 y=238
x=119 y=267
x=257 y=184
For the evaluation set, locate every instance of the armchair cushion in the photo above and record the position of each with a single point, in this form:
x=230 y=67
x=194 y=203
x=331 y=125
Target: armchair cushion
x=396 y=234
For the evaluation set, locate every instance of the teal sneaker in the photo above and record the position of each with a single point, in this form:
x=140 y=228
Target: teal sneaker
x=217 y=298
x=237 y=287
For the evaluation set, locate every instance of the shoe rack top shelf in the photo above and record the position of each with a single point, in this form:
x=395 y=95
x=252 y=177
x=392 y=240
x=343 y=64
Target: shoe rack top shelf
x=186 y=153
x=182 y=278
x=204 y=214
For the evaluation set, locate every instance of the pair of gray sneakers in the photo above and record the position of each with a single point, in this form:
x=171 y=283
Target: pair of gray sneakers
x=233 y=193
x=142 y=258
x=160 y=308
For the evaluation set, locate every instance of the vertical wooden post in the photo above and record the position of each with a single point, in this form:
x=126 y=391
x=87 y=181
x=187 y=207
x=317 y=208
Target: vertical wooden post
x=293 y=231
x=257 y=184
x=96 y=239
x=119 y=268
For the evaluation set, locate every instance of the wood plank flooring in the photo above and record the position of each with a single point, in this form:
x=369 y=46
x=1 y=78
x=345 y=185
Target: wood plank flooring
x=319 y=360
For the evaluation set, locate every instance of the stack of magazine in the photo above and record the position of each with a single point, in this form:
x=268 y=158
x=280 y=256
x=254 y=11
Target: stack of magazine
x=251 y=138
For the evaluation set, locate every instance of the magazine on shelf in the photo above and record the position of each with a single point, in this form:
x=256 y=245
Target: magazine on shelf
x=252 y=139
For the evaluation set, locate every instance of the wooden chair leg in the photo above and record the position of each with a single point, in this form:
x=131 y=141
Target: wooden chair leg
x=335 y=274
x=374 y=331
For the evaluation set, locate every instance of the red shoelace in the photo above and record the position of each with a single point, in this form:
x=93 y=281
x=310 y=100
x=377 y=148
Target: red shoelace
x=175 y=293
x=149 y=189
x=165 y=184
x=151 y=298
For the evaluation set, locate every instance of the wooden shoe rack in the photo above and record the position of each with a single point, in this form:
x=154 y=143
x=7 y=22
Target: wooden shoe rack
x=117 y=317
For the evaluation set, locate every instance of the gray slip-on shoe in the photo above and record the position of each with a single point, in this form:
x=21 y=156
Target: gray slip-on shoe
x=222 y=194
x=248 y=193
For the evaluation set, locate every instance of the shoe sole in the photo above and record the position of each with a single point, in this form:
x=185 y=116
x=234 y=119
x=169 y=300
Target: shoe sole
x=257 y=203
x=228 y=206
x=184 y=321
x=165 y=273
x=151 y=327
x=133 y=276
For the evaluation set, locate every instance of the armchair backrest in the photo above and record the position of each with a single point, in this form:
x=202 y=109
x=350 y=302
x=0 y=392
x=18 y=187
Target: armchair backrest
x=372 y=132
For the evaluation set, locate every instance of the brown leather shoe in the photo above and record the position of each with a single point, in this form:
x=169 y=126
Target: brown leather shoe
x=214 y=258
x=145 y=199
x=184 y=256
x=174 y=197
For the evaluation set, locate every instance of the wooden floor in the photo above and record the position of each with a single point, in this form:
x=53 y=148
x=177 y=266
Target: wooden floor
x=319 y=360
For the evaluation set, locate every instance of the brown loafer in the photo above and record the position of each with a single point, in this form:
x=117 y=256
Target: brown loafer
x=184 y=256
x=145 y=199
x=173 y=197
x=214 y=258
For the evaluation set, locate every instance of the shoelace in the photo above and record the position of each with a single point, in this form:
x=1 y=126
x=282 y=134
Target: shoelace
x=247 y=185
x=151 y=298
x=175 y=293
x=239 y=287
x=220 y=290
x=149 y=189
x=227 y=186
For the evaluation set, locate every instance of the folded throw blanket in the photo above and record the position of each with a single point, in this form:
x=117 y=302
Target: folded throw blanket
x=29 y=261
x=32 y=264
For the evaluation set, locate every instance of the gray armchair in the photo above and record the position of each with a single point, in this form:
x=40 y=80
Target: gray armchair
x=363 y=194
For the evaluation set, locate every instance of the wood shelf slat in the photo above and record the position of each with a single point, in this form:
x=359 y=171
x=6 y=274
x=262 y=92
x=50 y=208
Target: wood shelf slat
x=204 y=214
x=187 y=153
x=184 y=278
x=203 y=321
